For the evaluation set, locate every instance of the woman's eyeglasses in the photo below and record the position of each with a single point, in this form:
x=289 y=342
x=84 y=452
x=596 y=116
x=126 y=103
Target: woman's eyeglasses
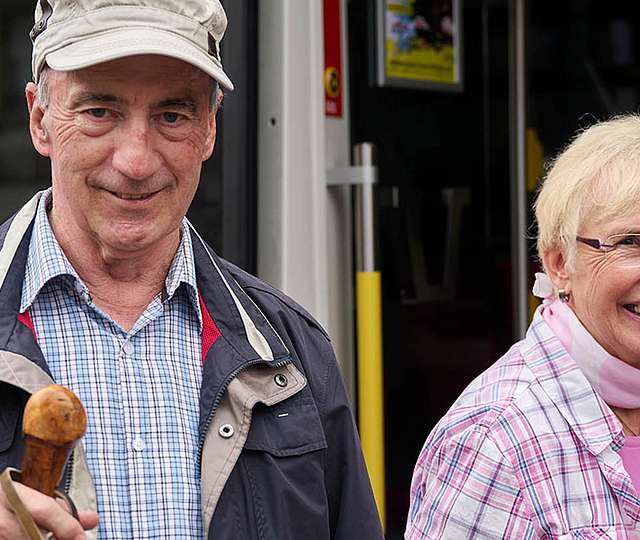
x=624 y=247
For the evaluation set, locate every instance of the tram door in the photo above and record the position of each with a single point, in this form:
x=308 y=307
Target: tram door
x=533 y=74
x=444 y=224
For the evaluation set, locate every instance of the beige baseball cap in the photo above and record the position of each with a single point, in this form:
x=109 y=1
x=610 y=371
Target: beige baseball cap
x=74 y=34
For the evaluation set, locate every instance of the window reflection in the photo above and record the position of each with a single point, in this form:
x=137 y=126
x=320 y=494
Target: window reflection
x=22 y=170
x=582 y=66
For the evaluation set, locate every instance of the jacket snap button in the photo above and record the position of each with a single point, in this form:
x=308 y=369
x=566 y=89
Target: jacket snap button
x=281 y=380
x=226 y=431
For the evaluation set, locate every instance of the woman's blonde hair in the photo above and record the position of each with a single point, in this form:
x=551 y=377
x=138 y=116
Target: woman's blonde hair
x=595 y=179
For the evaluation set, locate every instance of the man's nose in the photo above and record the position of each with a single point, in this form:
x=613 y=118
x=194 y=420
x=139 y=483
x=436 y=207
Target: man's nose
x=135 y=155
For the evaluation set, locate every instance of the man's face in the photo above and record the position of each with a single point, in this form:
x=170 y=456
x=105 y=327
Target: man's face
x=126 y=140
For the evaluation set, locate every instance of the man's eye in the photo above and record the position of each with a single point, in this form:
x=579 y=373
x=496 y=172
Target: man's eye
x=171 y=117
x=98 y=113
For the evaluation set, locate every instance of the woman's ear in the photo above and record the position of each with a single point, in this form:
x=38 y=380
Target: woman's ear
x=39 y=135
x=555 y=264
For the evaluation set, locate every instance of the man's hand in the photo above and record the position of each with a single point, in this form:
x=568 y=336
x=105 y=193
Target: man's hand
x=49 y=514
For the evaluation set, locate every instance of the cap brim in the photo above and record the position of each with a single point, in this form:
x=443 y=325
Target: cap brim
x=130 y=42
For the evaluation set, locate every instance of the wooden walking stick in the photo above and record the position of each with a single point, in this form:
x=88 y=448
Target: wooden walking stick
x=54 y=421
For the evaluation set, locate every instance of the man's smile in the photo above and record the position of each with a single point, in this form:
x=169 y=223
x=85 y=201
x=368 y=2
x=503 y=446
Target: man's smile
x=133 y=196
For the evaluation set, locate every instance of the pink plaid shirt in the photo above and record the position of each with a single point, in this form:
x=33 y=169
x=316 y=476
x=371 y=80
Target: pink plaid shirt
x=527 y=451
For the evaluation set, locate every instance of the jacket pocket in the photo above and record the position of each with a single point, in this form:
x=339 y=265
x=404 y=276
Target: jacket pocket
x=289 y=428
x=283 y=463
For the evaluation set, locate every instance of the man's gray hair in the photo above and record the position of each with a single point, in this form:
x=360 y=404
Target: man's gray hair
x=42 y=95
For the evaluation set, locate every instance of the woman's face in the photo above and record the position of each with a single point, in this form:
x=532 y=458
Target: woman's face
x=605 y=292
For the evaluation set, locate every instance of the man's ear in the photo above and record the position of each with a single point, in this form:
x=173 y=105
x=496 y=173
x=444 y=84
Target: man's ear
x=39 y=135
x=213 y=126
x=210 y=141
x=555 y=264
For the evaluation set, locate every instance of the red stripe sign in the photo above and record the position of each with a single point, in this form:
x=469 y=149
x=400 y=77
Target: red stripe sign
x=332 y=59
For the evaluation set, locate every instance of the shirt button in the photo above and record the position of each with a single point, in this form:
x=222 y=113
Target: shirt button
x=138 y=444
x=127 y=348
x=226 y=431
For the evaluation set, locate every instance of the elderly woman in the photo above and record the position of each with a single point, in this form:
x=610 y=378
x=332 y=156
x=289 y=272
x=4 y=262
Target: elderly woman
x=545 y=443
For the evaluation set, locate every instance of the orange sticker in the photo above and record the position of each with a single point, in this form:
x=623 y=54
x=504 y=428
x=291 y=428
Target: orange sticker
x=332 y=83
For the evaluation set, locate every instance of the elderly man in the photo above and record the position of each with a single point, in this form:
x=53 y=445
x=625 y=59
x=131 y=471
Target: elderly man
x=215 y=403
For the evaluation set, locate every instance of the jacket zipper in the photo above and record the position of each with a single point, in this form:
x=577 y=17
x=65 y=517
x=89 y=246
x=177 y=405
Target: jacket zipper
x=216 y=403
x=221 y=392
x=69 y=471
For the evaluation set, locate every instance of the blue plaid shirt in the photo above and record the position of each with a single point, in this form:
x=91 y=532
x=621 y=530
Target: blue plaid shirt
x=140 y=388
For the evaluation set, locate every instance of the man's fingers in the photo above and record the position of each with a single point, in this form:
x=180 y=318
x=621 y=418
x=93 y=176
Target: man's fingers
x=10 y=529
x=51 y=516
x=89 y=520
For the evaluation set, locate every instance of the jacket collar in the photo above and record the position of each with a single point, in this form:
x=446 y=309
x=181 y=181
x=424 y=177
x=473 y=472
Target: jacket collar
x=15 y=235
x=561 y=379
x=14 y=239
x=239 y=320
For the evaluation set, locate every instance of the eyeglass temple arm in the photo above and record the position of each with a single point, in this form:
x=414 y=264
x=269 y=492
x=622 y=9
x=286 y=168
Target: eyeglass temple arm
x=593 y=242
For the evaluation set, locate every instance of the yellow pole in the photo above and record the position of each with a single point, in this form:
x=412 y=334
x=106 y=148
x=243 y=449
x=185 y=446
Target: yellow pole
x=370 y=383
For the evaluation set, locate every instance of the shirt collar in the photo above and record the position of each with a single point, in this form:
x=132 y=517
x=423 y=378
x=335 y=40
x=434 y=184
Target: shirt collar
x=46 y=261
x=183 y=270
x=590 y=418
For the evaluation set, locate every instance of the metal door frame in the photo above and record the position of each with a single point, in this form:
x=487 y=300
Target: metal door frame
x=519 y=257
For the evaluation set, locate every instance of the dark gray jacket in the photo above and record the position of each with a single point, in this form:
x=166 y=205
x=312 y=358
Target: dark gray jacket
x=280 y=455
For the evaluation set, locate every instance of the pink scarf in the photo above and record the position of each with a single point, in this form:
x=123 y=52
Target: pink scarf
x=615 y=381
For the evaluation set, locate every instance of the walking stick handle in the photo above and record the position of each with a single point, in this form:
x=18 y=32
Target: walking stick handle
x=54 y=420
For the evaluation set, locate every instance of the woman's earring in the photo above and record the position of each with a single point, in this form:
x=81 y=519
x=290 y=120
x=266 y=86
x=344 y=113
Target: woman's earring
x=563 y=295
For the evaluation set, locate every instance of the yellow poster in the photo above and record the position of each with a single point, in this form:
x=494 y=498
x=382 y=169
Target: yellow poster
x=421 y=42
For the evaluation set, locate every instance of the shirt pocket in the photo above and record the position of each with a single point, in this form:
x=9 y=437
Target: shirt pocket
x=600 y=533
